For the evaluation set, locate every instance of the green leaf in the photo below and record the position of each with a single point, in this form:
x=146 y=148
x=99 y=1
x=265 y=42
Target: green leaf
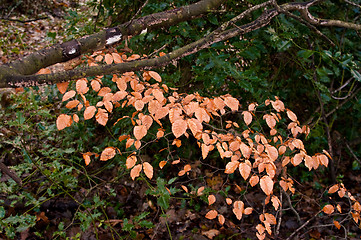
x=356 y=75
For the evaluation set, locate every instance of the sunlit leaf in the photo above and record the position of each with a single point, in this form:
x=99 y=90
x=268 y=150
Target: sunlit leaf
x=130 y=162
x=63 y=121
x=221 y=219
x=62 y=87
x=135 y=171
x=148 y=170
x=81 y=86
x=211 y=199
x=179 y=127
x=89 y=112
x=108 y=153
x=155 y=75
x=102 y=116
x=140 y=131
x=328 y=209
x=247 y=117
x=212 y=214
x=68 y=95
x=231 y=167
x=266 y=184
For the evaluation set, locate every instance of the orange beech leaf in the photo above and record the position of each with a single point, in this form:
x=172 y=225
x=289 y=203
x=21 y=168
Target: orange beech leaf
x=155 y=75
x=103 y=91
x=275 y=202
x=95 y=85
x=117 y=58
x=231 y=167
x=148 y=170
x=176 y=162
x=200 y=191
x=270 y=120
x=184 y=188
x=89 y=112
x=228 y=201
x=195 y=126
x=160 y=133
x=181 y=173
x=72 y=104
x=108 y=153
x=245 y=169
x=119 y=95
x=238 y=212
x=161 y=113
x=158 y=94
x=179 y=127
x=333 y=189
x=338 y=207
x=254 y=180
x=98 y=58
x=129 y=143
x=137 y=144
x=246 y=150
x=297 y=159
x=291 y=115
x=270 y=218
x=323 y=159
x=202 y=115
x=311 y=162
x=108 y=58
x=68 y=95
x=221 y=219
x=75 y=118
x=86 y=157
x=247 y=117
x=147 y=121
x=140 y=131
x=211 y=199
x=162 y=164
x=278 y=105
x=123 y=137
x=177 y=142
x=357 y=206
x=212 y=214
x=108 y=106
x=63 y=121
x=252 y=107
x=206 y=149
x=328 y=209
x=139 y=104
x=298 y=144
x=341 y=193
x=266 y=184
x=135 y=171
x=81 y=86
x=102 y=116
x=130 y=162
x=62 y=87
x=232 y=103
x=282 y=149
x=272 y=152
x=248 y=211
x=337 y=224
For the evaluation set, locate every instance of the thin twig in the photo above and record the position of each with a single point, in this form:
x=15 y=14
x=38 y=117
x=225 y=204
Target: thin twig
x=303 y=225
x=9 y=172
x=291 y=207
x=139 y=10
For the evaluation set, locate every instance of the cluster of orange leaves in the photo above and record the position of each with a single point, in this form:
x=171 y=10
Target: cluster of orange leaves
x=259 y=159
